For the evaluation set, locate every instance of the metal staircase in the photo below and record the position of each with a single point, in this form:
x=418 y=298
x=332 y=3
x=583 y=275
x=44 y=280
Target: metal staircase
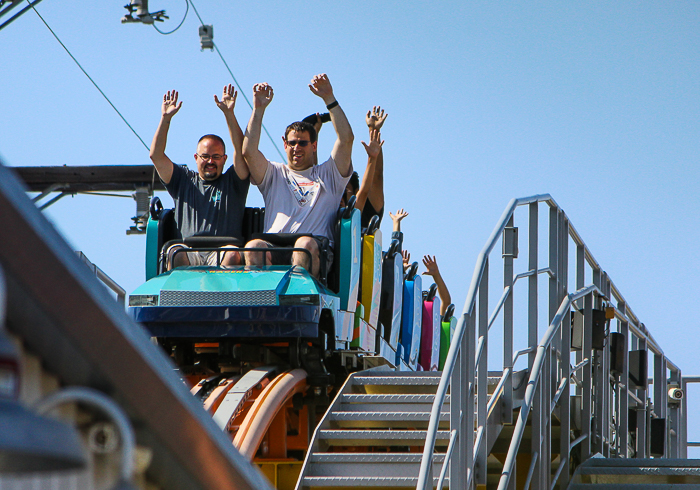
x=373 y=433
x=574 y=373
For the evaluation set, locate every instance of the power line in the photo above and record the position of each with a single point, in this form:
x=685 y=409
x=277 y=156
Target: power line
x=238 y=85
x=187 y=4
x=86 y=74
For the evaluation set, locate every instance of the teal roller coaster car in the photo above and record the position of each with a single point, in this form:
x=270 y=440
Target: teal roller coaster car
x=244 y=307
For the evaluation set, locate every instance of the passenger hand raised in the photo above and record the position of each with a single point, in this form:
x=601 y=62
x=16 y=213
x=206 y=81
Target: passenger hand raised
x=321 y=86
x=406 y=256
x=431 y=266
x=228 y=99
x=375 y=118
x=374 y=146
x=170 y=104
x=262 y=95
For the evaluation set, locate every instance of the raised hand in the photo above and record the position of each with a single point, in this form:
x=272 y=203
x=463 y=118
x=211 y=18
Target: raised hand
x=321 y=86
x=375 y=118
x=400 y=214
x=406 y=259
x=170 y=104
x=375 y=145
x=431 y=266
x=228 y=99
x=262 y=95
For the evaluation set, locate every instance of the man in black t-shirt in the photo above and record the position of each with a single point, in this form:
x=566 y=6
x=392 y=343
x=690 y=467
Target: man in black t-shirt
x=209 y=202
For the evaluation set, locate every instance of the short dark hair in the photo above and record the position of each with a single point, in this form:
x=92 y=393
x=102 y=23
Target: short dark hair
x=355 y=182
x=215 y=138
x=300 y=127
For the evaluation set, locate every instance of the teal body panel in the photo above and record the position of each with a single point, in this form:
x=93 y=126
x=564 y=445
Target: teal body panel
x=349 y=249
x=151 y=249
x=282 y=279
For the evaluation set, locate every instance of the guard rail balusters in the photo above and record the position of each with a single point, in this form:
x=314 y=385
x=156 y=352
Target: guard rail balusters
x=595 y=405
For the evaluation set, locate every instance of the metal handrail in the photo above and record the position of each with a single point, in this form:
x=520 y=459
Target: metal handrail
x=431 y=436
x=534 y=379
x=471 y=362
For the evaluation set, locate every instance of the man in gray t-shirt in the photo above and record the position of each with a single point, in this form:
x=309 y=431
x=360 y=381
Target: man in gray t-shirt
x=209 y=202
x=299 y=197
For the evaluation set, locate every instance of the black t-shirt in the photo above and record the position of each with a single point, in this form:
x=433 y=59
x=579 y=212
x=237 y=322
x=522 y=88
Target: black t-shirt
x=208 y=208
x=368 y=212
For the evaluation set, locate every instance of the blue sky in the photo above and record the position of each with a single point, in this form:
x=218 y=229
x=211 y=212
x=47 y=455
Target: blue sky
x=596 y=103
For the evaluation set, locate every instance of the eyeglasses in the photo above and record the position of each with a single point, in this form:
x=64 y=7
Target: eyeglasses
x=301 y=143
x=215 y=158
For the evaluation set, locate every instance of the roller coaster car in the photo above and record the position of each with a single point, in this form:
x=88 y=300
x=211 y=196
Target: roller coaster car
x=248 y=314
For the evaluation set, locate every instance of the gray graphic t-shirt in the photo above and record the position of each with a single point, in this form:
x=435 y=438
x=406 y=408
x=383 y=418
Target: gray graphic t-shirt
x=302 y=202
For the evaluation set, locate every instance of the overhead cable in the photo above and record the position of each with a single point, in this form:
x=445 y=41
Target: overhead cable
x=238 y=85
x=86 y=74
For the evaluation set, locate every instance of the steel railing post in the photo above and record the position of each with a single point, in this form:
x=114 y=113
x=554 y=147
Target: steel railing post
x=532 y=337
x=565 y=405
x=623 y=426
x=507 y=404
x=673 y=414
x=459 y=385
x=587 y=381
x=469 y=396
x=483 y=377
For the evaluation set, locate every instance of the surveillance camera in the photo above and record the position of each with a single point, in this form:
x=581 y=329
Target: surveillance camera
x=675 y=394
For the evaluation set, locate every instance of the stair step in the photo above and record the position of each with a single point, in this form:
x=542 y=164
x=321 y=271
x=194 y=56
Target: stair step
x=386 y=416
x=389 y=403
x=372 y=457
x=372 y=465
x=631 y=486
x=640 y=470
x=640 y=463
x=378 y=420
x=398 y=379
x=366 y=482
x=389 y=398
x=380 y=437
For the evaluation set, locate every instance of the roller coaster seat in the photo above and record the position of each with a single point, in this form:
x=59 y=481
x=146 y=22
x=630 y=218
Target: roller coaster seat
x=430 y=330
x=162 y=231
x=288 y=240
x=392 y=293
x=412 y=317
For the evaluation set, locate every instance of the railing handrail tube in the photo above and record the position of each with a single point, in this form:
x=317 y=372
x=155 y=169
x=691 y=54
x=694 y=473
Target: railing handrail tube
x=431 y=435
x=534 y=379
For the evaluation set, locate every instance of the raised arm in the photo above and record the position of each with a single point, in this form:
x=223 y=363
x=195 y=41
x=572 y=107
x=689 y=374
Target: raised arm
x=433 y=270
x=257 y=163
x=375 y=120
x=342 y=150
x=163 y=164
x=373 y=150
x=227 y=104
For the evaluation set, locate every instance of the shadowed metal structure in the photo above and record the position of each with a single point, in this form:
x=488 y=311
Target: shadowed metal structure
x=94 y=178
x=83 y=336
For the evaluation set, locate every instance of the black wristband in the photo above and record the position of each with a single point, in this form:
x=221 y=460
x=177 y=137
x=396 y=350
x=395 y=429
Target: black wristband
x=332 y=105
